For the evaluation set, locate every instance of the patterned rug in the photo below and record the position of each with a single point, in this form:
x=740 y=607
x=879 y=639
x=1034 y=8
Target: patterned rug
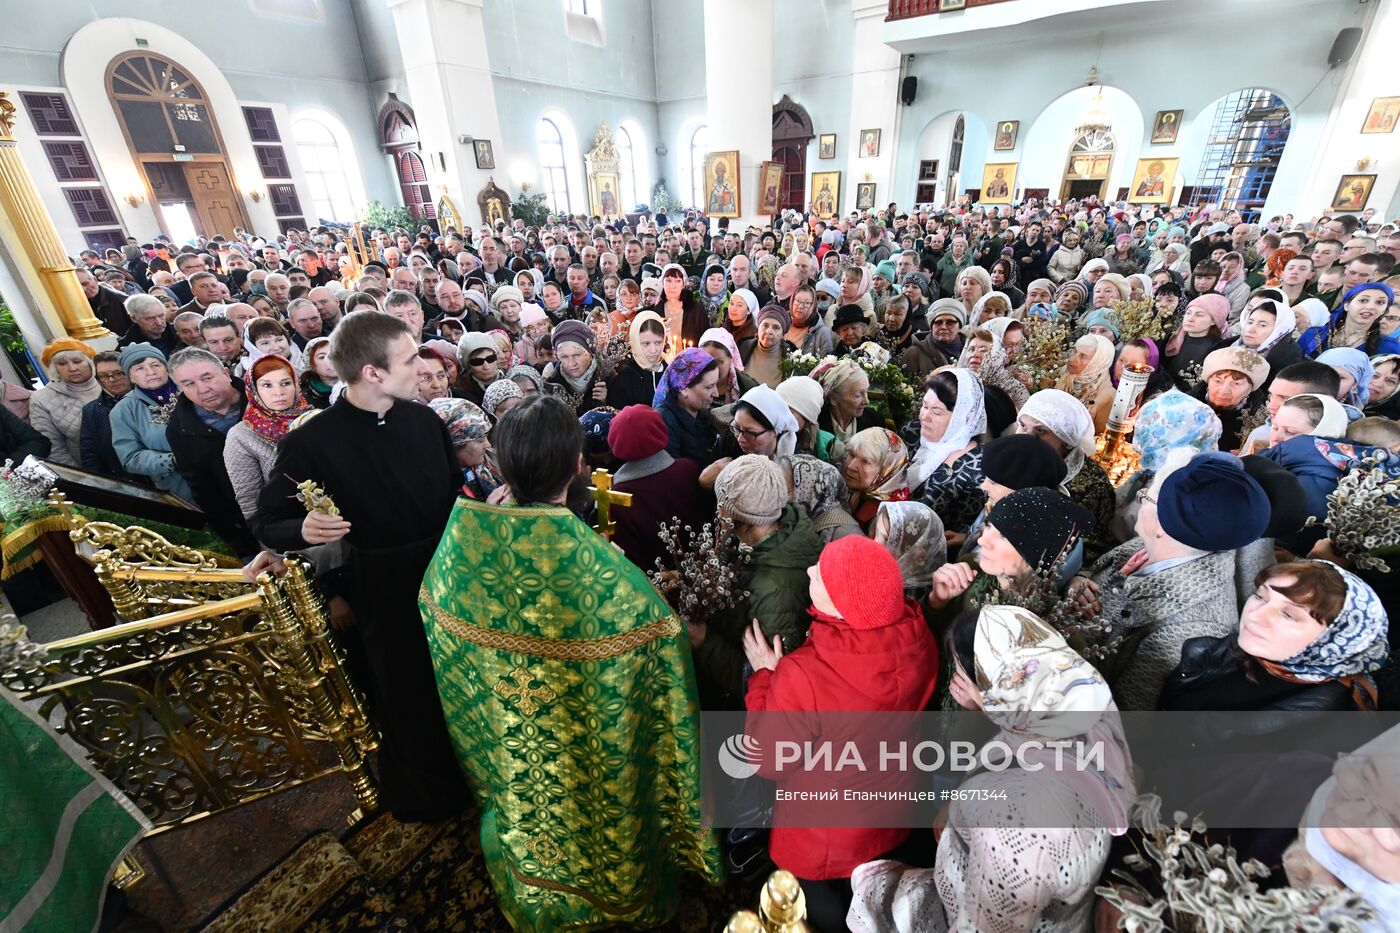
x=387 y=875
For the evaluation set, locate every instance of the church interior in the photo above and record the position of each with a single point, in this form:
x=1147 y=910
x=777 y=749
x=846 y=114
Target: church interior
x=211 y=709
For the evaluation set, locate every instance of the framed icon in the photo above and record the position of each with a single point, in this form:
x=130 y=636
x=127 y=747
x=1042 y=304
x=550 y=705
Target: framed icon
x=1166 y=126
x=485 y=158
x=1007 y=131
x=602 y=192
x=770 y=187
x=865 y=196
x=998 y=182
x=1353 y=191
x=722 y=183
x=869 y=144
x=1153 y=181
x=1382 y=116
x=826 y=193
x=826 y=146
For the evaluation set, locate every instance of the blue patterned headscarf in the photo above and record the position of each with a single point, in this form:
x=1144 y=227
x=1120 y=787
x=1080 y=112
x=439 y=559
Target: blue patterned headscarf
x=1355 y=644
x=687 y=367
x=1358 y=365
x=1174 y=419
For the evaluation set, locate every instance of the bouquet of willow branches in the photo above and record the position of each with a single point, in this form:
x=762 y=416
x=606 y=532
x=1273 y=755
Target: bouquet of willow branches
x=1203 y=888
x=1362 y=521
x=1137 y=319
x=1045 y=351
x=23 y=486
x=1092 y=637
x=612 y=353
x=703 y=577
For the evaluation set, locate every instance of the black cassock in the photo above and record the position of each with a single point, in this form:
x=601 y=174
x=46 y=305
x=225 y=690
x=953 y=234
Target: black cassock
x=395 y=481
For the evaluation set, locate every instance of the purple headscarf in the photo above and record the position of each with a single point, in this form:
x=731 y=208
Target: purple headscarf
x=684 y=370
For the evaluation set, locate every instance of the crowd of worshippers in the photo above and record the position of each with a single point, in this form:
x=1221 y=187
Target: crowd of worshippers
x=673 y=344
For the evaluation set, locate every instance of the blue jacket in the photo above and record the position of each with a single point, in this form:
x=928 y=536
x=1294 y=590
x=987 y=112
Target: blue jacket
x=1319 y=463
x=1314 y=339
x=141 y=444
x=95 y=445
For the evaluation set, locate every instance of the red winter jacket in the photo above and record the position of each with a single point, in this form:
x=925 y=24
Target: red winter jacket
x=891 y=668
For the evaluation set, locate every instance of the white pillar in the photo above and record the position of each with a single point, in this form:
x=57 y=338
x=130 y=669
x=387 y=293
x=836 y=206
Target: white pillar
x=739 y=92
x=874 y=105
x=448 y=68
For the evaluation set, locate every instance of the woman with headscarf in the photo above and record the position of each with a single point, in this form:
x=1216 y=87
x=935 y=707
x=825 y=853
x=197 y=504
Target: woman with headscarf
x=1087 y=377
x=1062 y=422
x=500 y=397
x=1205 y=324
x=1091 y=272
x=1384 y=397
x=685 y=319
x=480 y=365
x=1038 y=292
x=733 y=381
x=993 y=305
x=1171 y=420
x=1355 y=370
x=875 y=472
x=528 y=378
x=913 y=534
x=1273 y=267
x=818 y=488
x=972 y=283
x=713 y=294
x=847 y=390
x=1066 y=261
x=1109 y=288
x=530 y=282
x=1139 y=287
x=1019 y=671
x=574 y=375
x=1123 y=259
x=896 y=330
x=1356 y=323
x=684 y=396
x=250 y=447
x=635 y=381
x=468 y=427
x=945 y=471
x=741 y=316
x=1267 y=327
x=56 y=409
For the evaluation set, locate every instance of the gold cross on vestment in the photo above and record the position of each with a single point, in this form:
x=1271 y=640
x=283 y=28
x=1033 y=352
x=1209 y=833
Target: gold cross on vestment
x=606 y=499
x=516 y=686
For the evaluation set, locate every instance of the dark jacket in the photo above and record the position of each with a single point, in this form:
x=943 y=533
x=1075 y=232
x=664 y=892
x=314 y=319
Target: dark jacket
x=96 y=438
x=632 y=385
x=1213 y=675
x=922 y=358
x=167 y=343
x=687 y=435
x=18 y=440
x=199 y=457
x=673 y=493
x=1319 y=464
x=108 y=306
x=1029 y=271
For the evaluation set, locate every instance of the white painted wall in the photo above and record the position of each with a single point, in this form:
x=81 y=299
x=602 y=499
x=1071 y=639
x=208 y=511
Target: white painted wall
x=1042 y=148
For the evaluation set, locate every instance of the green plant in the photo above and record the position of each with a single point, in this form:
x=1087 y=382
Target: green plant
x=661 y=200
x=10 y=337
x=531 y=208
x=380 y=215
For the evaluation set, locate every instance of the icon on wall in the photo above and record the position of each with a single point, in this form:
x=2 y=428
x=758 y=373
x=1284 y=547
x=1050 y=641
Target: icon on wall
x=602 y=191
x=826 y=193
x=770 y=186
x=869 y=144
x=1006 y=135
x=865 y=196
x=1166 y=126
x=998 y=181
x=484 y=157
x=1153 y=180
x=826 y=146
x=1382 y=116
x=1353 y=191
x=722 y=183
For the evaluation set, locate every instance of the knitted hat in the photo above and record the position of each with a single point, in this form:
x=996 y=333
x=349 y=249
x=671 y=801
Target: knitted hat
x=64 y=345
x=803 y=395
x=637 y=432
x=596 y=424
x=948 y=307
x=506 y=293
x=474 y=341
x=754 y=490
x=573 y=332
x=1019 y=461
x=1212 y=504
x=863 y=581
x=919 y=279
x=848 y=314
x=532 y=313
x=651 y=282
x=1041 y=524
x=1288 y=507
x=778 y=313
x=136 y=352
x=886 y=271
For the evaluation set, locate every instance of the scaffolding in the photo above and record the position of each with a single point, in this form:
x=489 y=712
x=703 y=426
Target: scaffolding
x=1242 y=152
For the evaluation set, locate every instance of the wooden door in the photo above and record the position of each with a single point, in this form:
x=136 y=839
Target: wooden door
x=217 y=207
x=794 y=159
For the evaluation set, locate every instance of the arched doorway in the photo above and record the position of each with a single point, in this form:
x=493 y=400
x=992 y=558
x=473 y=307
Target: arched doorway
x=398 y=136
x=1089 y=163
x=792 y=131
x=170 y=130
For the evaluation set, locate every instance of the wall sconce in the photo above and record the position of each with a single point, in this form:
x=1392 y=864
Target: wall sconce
x=524 y=187
x=134 y=199
x=256 y=195
x=1364 y=163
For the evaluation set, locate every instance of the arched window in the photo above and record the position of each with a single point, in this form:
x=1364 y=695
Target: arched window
x=325 y=167
x=626 y=168
x=699 y=145
x=413 y=180
x=553 y=178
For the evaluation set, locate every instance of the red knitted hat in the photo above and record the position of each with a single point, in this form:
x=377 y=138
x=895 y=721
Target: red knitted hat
x=636 y=433
x=863 y=581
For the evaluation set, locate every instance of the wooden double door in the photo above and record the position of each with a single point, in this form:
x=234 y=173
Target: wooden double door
x=204 y=188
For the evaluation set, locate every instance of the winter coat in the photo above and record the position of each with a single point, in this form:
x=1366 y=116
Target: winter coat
x=819 y=340
x=97 y=455
x=948 y=269
x=18 y=440
x=199 y=456
x=632 y=385
x=140 y=442
x=672 y=493
x=248 y=460
x=775 y=577
x=1319 y=464
x=840 y=668
x=59 y=417
x=1065 y=264
x=922 y=358
x=1314 y=339
x=1157 y=613
x=687 y=435
x=1212 y=676
x=109 y=307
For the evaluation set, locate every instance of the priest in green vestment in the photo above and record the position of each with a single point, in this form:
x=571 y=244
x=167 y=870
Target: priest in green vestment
x=569 y=694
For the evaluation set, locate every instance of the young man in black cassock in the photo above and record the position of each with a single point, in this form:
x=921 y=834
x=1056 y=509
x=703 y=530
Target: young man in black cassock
x=388 y=465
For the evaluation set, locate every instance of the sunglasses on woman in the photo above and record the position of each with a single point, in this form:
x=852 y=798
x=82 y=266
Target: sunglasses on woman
x=482 y=360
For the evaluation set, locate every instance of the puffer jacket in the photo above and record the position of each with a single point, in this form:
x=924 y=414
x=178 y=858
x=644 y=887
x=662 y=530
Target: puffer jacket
x=139 y=440
x=776 y=580
x=59 y=417
x=1215 y=668
x=1065 y=264
x=1319 y=463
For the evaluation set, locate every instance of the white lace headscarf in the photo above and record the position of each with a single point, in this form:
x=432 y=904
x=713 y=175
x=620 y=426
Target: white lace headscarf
x=1066 y=418
x=969 y=420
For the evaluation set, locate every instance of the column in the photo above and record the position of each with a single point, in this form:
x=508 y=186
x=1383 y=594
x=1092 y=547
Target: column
x=874 y=105
x=739 y=92
x=40 y=283
x=448 y=68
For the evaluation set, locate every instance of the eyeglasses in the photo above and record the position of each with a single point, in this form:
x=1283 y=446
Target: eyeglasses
x=110 y=377
x=482 y=360
x=1391 y=318
x=1144 y=498
x=751 y=435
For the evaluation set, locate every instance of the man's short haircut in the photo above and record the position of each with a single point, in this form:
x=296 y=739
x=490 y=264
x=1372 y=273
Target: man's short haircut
x=1313 y=376
x=538 y=444
x=193 y=355
x=143 y=304
x=1370 y=259
x=298 y=302
x=399 y=298
x=276 y=277
x=215 y=321
x=1349 y=223
x=362 y=339
x=106 y=356
x=1333 y=240
x=188 y=316
x=183 y=260
x=579 y=266
x=201 y=276
x=1375 y=430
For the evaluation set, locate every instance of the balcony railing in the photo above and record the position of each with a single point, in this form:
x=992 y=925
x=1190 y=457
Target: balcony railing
x=907 y=9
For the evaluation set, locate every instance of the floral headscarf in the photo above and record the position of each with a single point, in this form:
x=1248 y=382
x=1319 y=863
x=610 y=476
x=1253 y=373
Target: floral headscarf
x=464 y=420
x=271 y=425
x=1171 y=420
x=817 y=486
x=1358 y=365
x=525 y=371
x=498 y=392
x=725 y=339
x=1353 y=646
x=891 y=483
x=916 y=542
x=684 y=370
x=832 y=374
x=1035 y=687
x=1376 y=363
